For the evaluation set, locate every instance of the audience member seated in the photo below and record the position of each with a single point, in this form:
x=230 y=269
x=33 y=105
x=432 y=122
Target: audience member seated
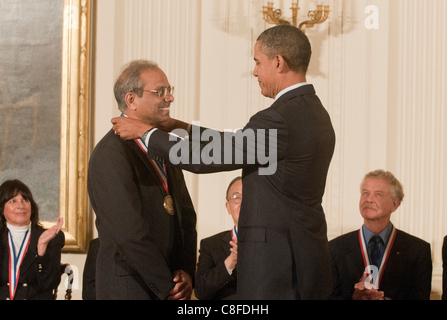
x=30 y=256
x=379 y=262
x=216 y=270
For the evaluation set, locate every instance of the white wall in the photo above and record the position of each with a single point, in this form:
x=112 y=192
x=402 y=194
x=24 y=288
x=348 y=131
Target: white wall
x=417 y=119
x=384 y=88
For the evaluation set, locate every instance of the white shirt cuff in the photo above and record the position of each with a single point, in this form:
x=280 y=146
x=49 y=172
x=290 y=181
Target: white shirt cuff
x=146 y=141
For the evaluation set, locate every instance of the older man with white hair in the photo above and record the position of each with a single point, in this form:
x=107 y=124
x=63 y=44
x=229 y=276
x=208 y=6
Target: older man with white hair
x=390 y=263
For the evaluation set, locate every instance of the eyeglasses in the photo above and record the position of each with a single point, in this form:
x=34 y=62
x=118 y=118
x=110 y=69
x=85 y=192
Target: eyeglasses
x=161 y=93
x=237 y=199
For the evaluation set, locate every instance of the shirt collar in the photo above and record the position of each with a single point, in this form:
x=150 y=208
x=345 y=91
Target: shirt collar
x=385 y=234
x=295 y=86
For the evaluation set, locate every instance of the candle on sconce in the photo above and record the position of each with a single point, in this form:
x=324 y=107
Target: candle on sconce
x=318 y=16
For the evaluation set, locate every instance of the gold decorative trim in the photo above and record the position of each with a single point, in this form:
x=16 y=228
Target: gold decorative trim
x=75 y=122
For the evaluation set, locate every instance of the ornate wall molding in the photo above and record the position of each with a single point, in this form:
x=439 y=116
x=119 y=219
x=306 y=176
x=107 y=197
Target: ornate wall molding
x=75 y=123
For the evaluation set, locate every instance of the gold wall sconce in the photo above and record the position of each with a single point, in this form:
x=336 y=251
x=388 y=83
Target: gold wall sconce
x=273 y=16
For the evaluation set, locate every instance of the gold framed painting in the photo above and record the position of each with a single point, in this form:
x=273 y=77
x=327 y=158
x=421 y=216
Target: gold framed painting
x=45 y=107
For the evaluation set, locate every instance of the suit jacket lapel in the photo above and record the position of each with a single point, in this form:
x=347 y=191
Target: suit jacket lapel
x=394 y=263
x=134 y=146
x=355 y=255
x=393 y=258
x=171 y=178
x=31 y=253
x=29 y=256
x=173 y=183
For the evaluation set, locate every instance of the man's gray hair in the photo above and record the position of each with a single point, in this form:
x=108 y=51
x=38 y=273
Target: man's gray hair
x=130 y=81
x=290 y=43
x=397 y=191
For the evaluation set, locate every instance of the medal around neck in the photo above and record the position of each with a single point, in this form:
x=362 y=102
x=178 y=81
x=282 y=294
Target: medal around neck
x=169 y=205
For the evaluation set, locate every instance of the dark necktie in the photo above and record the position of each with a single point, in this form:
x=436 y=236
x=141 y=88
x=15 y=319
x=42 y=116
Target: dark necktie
x=374 y=247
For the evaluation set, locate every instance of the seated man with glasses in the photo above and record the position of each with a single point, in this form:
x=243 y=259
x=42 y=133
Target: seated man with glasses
x=216 y=273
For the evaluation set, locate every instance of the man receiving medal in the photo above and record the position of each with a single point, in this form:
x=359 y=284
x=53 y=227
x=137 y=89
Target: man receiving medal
x=379 y=262
x=282 y=218
x=145 y=218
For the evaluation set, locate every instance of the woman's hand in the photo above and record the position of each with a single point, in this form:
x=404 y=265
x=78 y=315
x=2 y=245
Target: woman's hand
x=47 y=236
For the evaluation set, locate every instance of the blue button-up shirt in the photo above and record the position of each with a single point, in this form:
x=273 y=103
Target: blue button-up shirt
x=385 y=235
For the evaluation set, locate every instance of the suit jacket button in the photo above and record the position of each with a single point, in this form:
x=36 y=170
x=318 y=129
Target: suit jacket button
x=25 y=285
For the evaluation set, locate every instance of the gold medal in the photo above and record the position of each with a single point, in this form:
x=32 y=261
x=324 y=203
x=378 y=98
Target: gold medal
x=169 y=205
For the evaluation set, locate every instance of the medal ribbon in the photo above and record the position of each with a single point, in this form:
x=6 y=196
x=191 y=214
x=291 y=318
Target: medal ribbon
x=159 y=168
x=386 y=254
x=15 y=261
x=234 y=232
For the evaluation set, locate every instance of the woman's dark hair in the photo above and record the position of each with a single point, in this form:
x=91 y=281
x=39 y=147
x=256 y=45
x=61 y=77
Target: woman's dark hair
x=10 y=189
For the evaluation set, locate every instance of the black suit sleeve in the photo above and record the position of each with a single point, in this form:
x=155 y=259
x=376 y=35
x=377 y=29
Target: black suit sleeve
x=261 y=143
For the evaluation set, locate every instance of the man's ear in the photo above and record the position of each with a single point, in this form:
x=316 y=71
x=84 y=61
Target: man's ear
x=396 y=204
x=281 y=63
x=130 y=98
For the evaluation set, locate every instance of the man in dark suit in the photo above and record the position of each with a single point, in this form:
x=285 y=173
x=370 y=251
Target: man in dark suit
x=216 y=274
x=396 y=266
x=145 y=218
x=282 y=228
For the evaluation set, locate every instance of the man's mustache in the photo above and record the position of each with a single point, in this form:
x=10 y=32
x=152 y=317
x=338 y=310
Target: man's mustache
x=366 y=206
